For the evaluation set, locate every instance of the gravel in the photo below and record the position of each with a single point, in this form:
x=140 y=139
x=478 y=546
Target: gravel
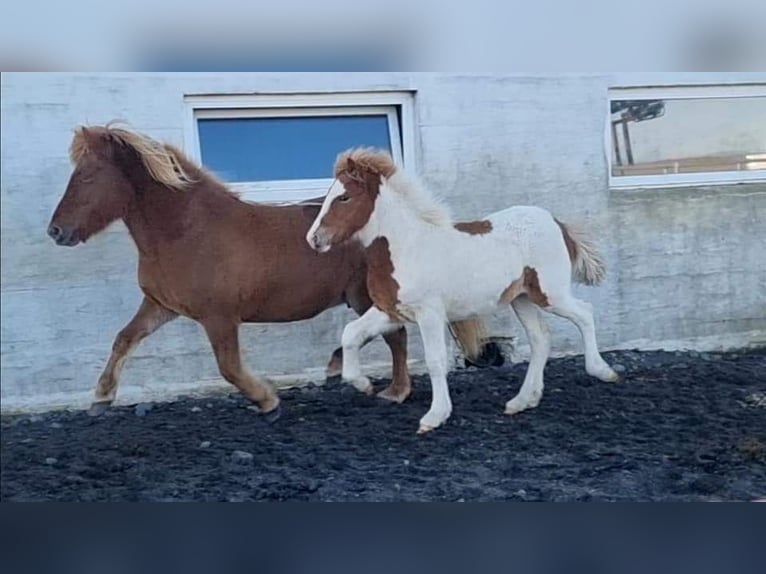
x=680 y=427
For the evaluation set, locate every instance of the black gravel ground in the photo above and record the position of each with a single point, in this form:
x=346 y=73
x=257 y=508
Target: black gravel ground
x=680 y=427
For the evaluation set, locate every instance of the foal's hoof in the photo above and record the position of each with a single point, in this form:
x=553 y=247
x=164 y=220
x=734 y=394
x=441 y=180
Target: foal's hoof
x=362 y=384
x=99 y=408
x=515 y=407
x=273 y=415
x=394 y=395
x=433 y=419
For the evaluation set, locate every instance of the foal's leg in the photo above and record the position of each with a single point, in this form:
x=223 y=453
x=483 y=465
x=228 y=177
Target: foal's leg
x=540 y=345
x=432 y=325
x=355 y=335
x=224 y=337
x=400 y=387
x=149 y=317
x=581 y=314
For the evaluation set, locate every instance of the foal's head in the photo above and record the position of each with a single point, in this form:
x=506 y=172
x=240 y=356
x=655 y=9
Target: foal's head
x=109 y=163
x=351 y=200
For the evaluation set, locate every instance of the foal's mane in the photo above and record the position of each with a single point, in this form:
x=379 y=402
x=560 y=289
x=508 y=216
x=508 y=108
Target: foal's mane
x=358 y=161
x=165 y=163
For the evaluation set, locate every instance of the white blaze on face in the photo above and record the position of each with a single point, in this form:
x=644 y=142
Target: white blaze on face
x=316 y=237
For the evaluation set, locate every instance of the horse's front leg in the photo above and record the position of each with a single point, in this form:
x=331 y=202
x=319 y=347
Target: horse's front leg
x=431 y=323
x=355 y=335
x=224 y=337
x=149 y=317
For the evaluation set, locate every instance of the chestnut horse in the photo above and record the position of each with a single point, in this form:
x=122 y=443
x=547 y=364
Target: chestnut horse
x=431 y=273
x=207 y=255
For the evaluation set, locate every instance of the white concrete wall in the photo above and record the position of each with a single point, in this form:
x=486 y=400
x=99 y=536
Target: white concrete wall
x=687 y=266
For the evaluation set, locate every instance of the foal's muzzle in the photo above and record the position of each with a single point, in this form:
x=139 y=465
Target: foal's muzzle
x=319 y=241
x=65 y=237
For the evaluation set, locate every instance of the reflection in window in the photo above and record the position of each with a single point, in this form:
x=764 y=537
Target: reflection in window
x=285 y=148
x=687 y=136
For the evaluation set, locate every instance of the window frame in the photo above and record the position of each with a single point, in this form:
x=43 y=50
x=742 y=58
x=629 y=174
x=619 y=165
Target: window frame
x=691 y=92
x=396 y=106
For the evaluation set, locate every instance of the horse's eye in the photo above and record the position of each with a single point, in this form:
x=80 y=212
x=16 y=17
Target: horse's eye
x=343 y=198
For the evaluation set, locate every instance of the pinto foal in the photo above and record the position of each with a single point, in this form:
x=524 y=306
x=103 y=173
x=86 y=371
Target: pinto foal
x=427 y=270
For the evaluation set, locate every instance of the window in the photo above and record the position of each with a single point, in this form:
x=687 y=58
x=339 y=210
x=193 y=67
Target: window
x=697 y=135
x=281 y=148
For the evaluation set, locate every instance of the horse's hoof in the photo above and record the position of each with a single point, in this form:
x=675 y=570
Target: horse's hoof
x=491 y=356
x=334 y=368
x=394 y=396
x=361 y=384
x=514 y=407
x=425 y=428
x=99 y=408
x=616 y=377
x=273 y=415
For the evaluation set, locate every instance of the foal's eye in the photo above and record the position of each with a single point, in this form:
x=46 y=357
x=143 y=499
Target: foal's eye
x=343 y=198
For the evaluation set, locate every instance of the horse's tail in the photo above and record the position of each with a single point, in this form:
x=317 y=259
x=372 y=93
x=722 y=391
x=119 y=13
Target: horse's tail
x=471 y=336
x=588 y=265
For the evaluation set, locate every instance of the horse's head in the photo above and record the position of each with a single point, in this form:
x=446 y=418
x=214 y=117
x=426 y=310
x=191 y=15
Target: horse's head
x=351 y=200
x=111 y=166
x=98 y=191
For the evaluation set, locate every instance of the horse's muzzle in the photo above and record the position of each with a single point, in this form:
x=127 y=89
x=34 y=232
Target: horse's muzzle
x=319 y=241
x=65 y=237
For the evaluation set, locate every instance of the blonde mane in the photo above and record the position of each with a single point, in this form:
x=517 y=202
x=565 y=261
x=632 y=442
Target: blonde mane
x=365 y=159
x=164 y=162
x=426 y=205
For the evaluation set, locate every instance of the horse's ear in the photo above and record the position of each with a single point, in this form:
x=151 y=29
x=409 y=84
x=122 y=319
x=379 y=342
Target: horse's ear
x=95 y=140
x=350 y=165
x=89 y=136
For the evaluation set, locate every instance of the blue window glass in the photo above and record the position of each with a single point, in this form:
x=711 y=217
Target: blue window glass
x=269 y=149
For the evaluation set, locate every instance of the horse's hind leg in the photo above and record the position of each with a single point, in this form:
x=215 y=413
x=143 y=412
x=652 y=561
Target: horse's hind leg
x=335 y=365
x=401 y=386
x=224 y=337
x=540 y=345
x=149 y=317
x=581 y=314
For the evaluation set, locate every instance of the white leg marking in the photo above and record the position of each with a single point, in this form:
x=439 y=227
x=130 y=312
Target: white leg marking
x=374 y=322
x=581 y=314
x=540 y=344
x=432 y=325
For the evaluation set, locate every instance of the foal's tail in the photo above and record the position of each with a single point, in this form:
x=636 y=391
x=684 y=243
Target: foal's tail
x=471 y=336
x=588 y=265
